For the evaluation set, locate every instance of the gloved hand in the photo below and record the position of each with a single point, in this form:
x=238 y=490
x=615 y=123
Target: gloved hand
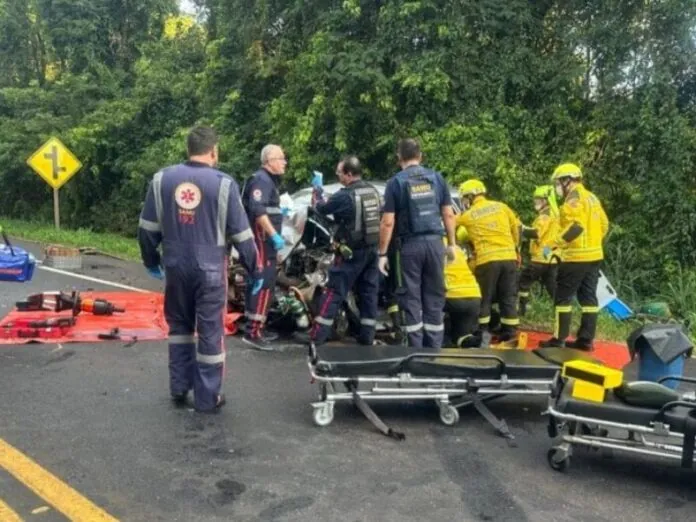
x=450 y=253
x=318 y=179
x=285 y=211
x=156 y=272
x=384 y=265
x=547 y=252
x=278 y=241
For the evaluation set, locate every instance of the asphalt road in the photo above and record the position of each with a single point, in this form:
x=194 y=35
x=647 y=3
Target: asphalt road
x=98 y=417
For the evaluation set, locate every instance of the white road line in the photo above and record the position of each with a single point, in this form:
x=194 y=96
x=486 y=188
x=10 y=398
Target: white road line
x=93 y=279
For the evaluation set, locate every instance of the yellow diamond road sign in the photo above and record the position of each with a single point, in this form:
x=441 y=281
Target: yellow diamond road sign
x=54 y=163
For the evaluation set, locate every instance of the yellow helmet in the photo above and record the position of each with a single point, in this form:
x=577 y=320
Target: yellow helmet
x=472 y=187
x=548 y=194
x=567 y=170
x=544 y=191
x=462 y=235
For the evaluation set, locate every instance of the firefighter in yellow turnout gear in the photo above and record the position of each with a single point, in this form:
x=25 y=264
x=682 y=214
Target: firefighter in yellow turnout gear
x=542 y=235
x=583 y=227
x=462 y=301
x=494 y=230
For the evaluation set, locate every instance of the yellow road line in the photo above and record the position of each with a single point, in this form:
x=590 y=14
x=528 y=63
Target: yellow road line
x=7 y=514
x=46 y=485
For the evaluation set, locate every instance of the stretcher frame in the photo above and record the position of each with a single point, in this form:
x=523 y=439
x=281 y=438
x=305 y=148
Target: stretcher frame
x=449 y=393
x=571 y=430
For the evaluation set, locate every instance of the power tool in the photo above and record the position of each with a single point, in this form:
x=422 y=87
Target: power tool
x=60 y=301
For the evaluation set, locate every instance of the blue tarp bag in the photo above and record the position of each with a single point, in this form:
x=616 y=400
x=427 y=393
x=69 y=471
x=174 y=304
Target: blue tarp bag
x=16 y=264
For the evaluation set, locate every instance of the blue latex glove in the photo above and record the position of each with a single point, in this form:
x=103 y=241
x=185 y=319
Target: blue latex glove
x=156 y=272
x=285 y=211
x=318 y=179
x=547 y=252
x=278 y=241
x=257 y=284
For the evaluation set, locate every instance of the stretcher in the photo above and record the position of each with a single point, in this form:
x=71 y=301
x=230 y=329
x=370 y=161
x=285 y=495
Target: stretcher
x=641 y=417
x=452 y=378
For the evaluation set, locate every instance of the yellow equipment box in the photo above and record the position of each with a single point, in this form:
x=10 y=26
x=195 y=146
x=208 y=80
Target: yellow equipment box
x=591 y=380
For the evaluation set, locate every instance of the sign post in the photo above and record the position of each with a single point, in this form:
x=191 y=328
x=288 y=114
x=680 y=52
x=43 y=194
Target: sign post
x=54 y=162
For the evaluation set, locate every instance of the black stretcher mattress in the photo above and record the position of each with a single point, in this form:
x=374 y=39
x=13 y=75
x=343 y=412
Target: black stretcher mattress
x=614 y=410
x=480 y=363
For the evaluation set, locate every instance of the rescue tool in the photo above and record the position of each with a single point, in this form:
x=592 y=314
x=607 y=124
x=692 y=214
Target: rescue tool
x=60 y=301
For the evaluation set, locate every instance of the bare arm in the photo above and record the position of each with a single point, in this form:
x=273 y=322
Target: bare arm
x=448 y=219
x=265 y=223
x=386 y=229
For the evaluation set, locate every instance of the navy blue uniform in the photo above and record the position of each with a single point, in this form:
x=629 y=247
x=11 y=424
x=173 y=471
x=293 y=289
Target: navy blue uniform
x=416 y=195
x=194 y=210
x=361 y=269
x=261 y=198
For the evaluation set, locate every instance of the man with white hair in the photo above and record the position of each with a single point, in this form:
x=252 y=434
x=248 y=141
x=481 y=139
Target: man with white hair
x=261 y=200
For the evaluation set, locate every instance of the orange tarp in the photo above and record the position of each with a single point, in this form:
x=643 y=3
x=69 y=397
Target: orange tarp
x=143 y=320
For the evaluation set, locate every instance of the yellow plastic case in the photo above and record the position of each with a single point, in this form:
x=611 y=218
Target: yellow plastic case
x=591 y=380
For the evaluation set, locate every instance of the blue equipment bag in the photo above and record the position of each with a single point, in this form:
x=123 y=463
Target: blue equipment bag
x=16 y=264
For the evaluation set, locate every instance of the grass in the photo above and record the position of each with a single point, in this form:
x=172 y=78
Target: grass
x=113 y=244
x=539 y=311
x=540 y=315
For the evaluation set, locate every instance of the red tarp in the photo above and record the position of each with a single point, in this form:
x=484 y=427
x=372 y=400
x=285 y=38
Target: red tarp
x=612 y=354
x=143 y=320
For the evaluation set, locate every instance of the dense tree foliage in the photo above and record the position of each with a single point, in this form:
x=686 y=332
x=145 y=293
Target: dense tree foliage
x=499 y=89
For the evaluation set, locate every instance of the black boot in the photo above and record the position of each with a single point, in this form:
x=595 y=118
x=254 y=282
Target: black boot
x=507 y=333
x=562 y=329
x=552 y=343
x=580 y=344
x=587 y=330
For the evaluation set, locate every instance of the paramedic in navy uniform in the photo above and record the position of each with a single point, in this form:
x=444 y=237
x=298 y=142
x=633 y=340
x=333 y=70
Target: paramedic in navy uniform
x=261 y=200
x=416 y=203
x=355 y=209
x=194 y=210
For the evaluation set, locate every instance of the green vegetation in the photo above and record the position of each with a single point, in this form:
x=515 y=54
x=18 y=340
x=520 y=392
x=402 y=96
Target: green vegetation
x=500 y=89
x=540 y=316
x=107 y=243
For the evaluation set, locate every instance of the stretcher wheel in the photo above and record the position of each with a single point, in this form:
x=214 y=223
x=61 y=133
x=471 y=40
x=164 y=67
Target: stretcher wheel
x=449 y=415
x=558 y=459
x=323 y=414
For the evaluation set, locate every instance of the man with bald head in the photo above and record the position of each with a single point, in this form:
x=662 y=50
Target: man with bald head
x=261 y=200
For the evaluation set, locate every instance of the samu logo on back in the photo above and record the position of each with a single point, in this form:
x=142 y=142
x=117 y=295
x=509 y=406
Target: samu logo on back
x=187 y=196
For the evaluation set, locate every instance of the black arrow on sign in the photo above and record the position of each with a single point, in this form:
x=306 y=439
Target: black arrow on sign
x=53 y=156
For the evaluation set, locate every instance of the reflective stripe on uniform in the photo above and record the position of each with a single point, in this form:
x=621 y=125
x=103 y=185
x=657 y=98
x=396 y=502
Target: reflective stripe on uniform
x=509 y=322
x=393 y=309
x=323 y=320
x=210 y=359
x=273 y=210
x=150 y=226
x=359 y=193
x=410 y=328
x=242 y=236
x=524 y=294
x=182 y=339
x=463 y=338
x=590 y=309
x=564 y=309
x=255 y=317
x=368 y=322
x=223 y=204
x=157 y=192
x=485 y=320
x=433 y=327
